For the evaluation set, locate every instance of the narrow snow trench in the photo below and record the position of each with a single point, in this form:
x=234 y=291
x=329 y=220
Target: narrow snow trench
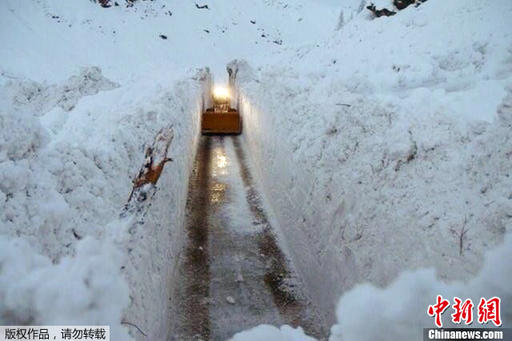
x=233 y=274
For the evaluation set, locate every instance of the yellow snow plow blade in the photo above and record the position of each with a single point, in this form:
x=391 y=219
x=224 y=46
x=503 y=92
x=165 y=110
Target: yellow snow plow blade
x=221 y=122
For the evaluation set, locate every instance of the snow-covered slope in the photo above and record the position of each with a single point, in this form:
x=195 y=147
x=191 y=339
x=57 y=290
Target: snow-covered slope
x=375 y=141
x=82 y=90
x=126 y=42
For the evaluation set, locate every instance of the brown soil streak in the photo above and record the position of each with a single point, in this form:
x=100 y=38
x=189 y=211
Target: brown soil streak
x=195 y=323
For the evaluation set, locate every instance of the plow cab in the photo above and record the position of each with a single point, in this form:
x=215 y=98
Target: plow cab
x=221 y=118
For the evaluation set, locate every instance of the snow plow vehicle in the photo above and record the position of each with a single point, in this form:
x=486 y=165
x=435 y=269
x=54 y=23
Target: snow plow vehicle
x=221 y=119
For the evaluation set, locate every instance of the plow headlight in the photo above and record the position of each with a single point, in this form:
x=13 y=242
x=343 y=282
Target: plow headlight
x=220 y=93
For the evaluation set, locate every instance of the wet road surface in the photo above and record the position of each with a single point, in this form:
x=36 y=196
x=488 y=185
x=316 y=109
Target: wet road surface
x=234 y=276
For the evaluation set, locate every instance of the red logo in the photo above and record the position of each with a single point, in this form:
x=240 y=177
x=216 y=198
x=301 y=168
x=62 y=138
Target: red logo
x=463 y=311
x=488 y=311
x=438 y=309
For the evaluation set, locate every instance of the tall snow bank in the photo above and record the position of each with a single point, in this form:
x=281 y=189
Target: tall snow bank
x=374 y=165
x=68 y=153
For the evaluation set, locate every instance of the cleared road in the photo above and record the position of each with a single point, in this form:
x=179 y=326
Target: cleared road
x=234 y=275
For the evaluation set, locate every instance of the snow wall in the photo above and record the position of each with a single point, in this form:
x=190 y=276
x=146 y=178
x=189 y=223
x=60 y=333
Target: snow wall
x=68 y=153
x=363 y=190
x=374 y=162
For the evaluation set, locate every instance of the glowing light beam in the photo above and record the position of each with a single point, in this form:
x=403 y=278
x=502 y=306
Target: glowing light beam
x=221 y=93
